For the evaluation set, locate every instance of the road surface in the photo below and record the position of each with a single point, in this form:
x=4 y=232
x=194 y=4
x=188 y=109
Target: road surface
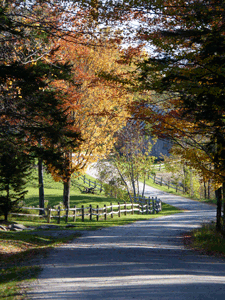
x=142 y=260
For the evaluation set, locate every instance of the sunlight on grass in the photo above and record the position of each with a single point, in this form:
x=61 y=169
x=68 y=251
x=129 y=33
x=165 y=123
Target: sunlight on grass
x=208 y=239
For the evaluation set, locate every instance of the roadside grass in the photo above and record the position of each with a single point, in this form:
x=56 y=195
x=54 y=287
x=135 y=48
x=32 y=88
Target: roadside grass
x=18 y=251
x=207 y=240
x=11 y=278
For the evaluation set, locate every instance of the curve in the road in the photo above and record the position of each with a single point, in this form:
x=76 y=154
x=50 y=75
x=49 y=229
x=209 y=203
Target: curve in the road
x=143 y=260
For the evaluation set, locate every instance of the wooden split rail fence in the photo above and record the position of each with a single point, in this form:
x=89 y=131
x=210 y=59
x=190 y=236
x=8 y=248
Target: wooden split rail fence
x=91 y=184
x=145 y=206
x=160 y=181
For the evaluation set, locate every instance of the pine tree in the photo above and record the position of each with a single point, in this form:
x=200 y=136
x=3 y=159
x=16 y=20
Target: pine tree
x=14 y=169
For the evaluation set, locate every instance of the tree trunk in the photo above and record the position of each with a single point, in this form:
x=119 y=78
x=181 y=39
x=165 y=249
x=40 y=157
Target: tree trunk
x=191 y=184
x=219 y=206
x=143 y=191
x=223 y=229
x=7 y=206
x=66 y=192
x=133 y=182
x=209 y=186
x=41 y=186
x=125 y=183
x=205 y=194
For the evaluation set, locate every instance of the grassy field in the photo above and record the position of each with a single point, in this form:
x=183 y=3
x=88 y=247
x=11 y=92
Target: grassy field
x=19 y=251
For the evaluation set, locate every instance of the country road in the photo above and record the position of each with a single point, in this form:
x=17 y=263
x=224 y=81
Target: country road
x=142 y=260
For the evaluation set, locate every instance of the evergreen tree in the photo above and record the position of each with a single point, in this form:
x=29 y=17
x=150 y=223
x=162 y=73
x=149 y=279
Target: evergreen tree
x=14 y=168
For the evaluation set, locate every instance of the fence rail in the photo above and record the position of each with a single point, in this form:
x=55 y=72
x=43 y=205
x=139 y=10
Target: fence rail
x=169 y=183
x=139 y=205
x=92 y=184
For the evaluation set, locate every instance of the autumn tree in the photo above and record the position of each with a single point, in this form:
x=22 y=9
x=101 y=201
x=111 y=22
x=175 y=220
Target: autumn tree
x=98 y=107
x=30 y=107
x=131 y=157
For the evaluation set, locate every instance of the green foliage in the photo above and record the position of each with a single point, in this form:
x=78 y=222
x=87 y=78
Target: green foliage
x=131 y=157
x=209 y=240
x=14 y=169
x=115 y=191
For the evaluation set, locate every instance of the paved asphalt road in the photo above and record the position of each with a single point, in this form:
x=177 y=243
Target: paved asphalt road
x=143 y=260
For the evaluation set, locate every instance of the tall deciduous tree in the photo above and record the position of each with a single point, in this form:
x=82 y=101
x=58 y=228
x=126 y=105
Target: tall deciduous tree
x=98 y=107
x=131 y=157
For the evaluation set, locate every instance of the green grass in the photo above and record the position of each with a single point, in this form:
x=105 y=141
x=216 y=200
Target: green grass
x=12 y=277
x=207 y=240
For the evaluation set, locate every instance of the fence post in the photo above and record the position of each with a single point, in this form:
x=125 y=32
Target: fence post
x=118 y=209
x=139 y=208
x=125 y=208
x=142 y=208
x=111 y=210
x=153 y=204
x=168 y=184
x=97 y=211
x=58 y=220
x=84 y=178
x=161 y=181
x=90 y=212
x=105 y=212
x=146 y=202
x=101 y=188
x=82 y=212
x=89 y=182
x=74 y=214
x=157 y=206
x=132 y=207
x=48 y=214
x=67 y=212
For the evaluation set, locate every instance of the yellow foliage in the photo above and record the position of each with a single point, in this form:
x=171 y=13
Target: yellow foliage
x=99 y=108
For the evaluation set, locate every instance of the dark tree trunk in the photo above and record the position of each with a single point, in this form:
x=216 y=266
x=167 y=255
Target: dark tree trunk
x=209 y=186
x=205 y=193
x=41 y=186
x=7 y=205
x=143 y=191
x=219 y=206
x=223 y=229
x=66 y=193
